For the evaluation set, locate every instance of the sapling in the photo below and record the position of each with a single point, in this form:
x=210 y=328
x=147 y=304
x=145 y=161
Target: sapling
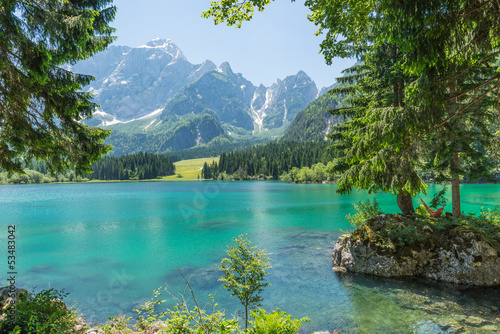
x=244 y=273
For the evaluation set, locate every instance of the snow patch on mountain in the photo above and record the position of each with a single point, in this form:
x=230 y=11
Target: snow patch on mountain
x=258 y=115
x=114 y=120
x=286 y=111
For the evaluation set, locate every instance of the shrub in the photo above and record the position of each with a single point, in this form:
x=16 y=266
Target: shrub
x=117 y=324
x=277 y=322
x=183 y=319
x=147 y=314
x=420 y=210
x=493 y=216
x=197 y=321
x=42 y=313
x=364 y=211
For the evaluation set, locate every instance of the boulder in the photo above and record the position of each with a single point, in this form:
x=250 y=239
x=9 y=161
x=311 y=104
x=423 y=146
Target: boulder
x=463 y=259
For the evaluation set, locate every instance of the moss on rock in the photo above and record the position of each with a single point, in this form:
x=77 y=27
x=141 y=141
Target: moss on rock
x=465 y=251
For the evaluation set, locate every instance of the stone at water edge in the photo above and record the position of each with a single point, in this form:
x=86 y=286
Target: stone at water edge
x=461 y=260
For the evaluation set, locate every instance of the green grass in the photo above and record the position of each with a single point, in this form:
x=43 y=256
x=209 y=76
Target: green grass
x=189 y=169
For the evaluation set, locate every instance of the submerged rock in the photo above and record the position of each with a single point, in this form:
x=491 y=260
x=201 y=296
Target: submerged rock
x=462 y=257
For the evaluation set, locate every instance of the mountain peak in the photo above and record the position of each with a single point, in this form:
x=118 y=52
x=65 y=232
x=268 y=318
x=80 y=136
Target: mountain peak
x=303 y=74
x=165 y=45
x=158 y=43
x=226 y=68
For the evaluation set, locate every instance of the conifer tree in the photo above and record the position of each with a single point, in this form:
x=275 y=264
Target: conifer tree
x=41 y=106
x=457 y=148
x=373 y=138
x=448 y=46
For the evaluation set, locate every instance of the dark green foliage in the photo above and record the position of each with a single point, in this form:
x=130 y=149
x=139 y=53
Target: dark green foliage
x=270 y=160
x=42 y=313
x=183 y=134
x=316 y=173
x=439 y=198
x=41 y=105
x=428 y=90
x=215 y=148
x=451 y=39
x=138 y=166
x=380 y=125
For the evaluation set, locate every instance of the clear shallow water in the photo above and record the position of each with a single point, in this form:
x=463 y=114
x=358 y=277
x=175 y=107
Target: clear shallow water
x=111 y=244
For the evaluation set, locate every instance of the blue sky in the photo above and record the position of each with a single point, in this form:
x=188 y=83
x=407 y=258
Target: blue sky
x=276 y=43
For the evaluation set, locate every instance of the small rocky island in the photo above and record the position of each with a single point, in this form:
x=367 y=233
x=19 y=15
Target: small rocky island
x=442 y=249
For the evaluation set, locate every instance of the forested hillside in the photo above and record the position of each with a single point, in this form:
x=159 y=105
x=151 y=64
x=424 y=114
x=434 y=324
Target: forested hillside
x=140 y=166
x=269 y=161
x=132 y=167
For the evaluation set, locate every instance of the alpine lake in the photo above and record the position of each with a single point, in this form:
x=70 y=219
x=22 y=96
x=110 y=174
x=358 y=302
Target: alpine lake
x=109 y=245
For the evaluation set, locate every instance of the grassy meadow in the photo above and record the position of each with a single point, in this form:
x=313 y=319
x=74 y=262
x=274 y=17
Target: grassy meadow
x=189 y=169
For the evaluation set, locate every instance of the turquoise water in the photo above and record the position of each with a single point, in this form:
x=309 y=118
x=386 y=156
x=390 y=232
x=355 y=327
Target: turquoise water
x=111 y=244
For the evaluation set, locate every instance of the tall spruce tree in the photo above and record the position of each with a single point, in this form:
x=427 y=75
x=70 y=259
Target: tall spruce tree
x=379 y=124
x=41 y=106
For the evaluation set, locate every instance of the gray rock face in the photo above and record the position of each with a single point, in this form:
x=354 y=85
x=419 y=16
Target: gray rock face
x=241 y=106
x=134 y=82
x=153 y=89
x=463 y=260
x=284 y=99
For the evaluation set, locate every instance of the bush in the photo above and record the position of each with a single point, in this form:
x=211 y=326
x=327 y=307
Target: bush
x=42 y=313
x=182 y=319
x=147 y=314
x=420 y=210
x=277 y=322
x=197 y=321
x=493 y=216
x=364 y=211
x=117 y=324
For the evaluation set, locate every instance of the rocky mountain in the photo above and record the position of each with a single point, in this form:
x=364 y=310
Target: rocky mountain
x=315 y=122
x=134 y=82
x=243 y=109
x=155 y=100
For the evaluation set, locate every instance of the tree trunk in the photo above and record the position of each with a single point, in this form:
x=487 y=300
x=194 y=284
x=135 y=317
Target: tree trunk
x=405 y=203
x=246 y=316
x=455 y=187
x=455 y=178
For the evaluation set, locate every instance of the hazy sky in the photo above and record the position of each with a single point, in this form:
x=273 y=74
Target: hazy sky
x=276 y=43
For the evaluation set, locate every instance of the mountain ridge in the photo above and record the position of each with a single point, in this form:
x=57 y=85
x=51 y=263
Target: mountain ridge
x=153 y=89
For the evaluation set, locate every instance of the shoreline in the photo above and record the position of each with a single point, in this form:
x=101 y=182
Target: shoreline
x=172 y=178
